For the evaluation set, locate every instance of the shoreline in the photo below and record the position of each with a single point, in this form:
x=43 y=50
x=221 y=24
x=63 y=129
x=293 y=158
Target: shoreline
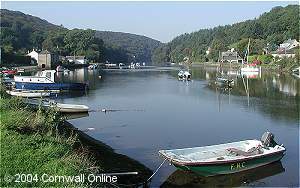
x=108 y=159
x=44 y=142
x=274 y=68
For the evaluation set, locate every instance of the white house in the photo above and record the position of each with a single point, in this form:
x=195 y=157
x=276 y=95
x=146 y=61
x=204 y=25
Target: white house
x=289 y=44
x=34 y=55
x=286 y=49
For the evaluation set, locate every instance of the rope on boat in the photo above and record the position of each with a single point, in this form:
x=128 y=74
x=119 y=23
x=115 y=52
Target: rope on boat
x=140 y=183
x=156 y=170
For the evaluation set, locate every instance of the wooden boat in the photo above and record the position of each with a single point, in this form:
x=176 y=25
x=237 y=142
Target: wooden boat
x=45 y=81
x=28 y=94
x=61 y=107
x=184 y=75
x=226 y=158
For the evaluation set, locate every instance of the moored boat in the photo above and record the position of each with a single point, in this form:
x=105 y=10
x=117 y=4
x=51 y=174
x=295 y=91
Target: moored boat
x=226 y=158
x=250 y=68
x=45 y=81
x=184 y=75
x=221 y=81
x=60 y=107
x=28 y=94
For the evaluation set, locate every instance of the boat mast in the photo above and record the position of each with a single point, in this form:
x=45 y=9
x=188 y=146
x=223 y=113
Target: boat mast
x=248 y=51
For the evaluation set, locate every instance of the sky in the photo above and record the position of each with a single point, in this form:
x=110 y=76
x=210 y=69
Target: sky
x=158 y=20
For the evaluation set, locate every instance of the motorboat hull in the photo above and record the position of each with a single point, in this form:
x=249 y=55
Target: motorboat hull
x=50 y=86
x=226 y=158
x=230 y=167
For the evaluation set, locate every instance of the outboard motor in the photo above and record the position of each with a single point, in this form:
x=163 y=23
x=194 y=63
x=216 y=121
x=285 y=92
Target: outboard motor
x=267 y=140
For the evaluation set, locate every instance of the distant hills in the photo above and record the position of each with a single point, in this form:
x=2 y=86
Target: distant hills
x=138 y=48
x=267 y=31
x=21 y=32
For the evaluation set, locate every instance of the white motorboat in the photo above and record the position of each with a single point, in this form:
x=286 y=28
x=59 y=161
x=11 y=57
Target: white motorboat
x=61 y=107
x=226 y=158
x=184 y=75
x=27 y=93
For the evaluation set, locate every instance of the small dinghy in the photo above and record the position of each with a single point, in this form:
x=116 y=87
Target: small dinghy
x=226 y=158
x=27 y=93
x=61 y=107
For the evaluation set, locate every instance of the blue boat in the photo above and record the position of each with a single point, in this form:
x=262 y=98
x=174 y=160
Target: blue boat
x=45 y=80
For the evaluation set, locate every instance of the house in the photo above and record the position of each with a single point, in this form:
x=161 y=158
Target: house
x=281 y=53
x=286 y=49
x=289 y=44
x=77 y=59
x=46 y=59
x=34 y=56
x=231 y=57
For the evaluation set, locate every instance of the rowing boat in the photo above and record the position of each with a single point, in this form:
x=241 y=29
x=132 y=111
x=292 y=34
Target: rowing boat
x=60 y=107
x=226 y=158
x=28 y=94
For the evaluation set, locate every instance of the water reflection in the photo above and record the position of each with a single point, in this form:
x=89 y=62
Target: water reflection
x=274 y=94
x=70 y=116
x=250 y=177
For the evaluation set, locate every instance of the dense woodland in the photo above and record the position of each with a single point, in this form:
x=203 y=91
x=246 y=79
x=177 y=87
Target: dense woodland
x=21 y=32
x=267 y=31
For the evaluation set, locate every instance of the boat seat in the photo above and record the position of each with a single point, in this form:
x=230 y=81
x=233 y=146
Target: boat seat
x=238 y=152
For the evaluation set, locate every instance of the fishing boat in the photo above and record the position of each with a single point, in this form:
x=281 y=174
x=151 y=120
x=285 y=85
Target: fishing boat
x=60 y=107
x=28 y=94
x=184 y=75
x=226 y=158
x=45 y=81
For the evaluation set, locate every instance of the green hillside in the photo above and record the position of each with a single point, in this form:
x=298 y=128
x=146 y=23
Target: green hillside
x=21 y=32
x=136 y=47
x=270 y=28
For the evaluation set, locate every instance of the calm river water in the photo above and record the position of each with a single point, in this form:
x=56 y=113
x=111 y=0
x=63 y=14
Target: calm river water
x=160 y=112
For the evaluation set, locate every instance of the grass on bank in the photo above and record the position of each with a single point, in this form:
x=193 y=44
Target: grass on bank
x=32 y=144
